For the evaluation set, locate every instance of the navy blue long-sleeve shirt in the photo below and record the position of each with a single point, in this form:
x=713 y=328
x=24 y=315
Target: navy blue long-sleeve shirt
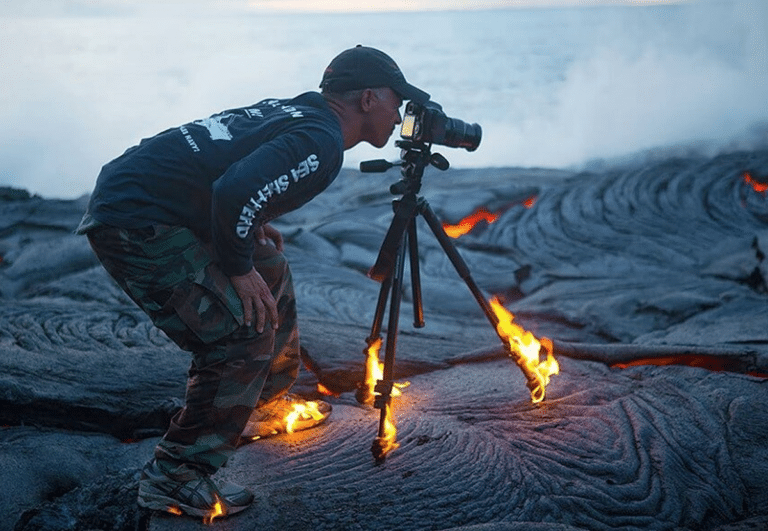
x=225 y=175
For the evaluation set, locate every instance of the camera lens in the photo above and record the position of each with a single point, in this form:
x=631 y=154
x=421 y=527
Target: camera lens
x=460 y=134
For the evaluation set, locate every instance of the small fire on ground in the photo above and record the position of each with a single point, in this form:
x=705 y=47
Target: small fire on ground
x=216 y=511
x=298 y=412
x=323 y=390
x=302 y=411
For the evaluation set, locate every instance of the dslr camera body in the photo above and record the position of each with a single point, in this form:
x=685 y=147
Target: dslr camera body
x=427 y=123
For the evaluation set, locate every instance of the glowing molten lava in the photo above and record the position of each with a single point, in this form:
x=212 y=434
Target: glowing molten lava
x=756 y=185
x=481 y=214
x=528 y=203
x=709 y=362
x=525 y=348
x=468 y=223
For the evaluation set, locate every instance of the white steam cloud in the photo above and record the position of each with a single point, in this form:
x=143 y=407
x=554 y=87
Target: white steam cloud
x=702 y=80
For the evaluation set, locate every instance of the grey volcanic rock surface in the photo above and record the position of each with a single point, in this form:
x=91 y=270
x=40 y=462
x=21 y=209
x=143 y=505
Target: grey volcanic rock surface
x=663 y=261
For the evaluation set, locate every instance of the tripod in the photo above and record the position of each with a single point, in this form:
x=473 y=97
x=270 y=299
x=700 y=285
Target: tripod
x=401 y=238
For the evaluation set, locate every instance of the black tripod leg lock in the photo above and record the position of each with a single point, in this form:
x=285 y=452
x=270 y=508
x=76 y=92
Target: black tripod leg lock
x=383 y=390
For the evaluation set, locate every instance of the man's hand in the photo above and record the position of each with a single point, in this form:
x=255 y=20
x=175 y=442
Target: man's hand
x=256 y=298
x=268 y=232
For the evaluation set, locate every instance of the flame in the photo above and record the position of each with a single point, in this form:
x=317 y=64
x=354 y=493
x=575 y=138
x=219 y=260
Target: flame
x=468 y=223
x=756 y=185
x=374 y=371
x=309 y=408
x=218 y=510
x=323 y=390
x=525 y=348
x=388 y=441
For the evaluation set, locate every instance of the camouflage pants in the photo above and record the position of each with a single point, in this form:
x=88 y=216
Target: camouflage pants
x=170 y=274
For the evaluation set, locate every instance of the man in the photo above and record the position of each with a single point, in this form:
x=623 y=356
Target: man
x=181 y=223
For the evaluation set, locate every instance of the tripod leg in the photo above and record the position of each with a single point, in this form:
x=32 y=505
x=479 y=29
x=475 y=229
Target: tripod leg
x=405 y=211
x=364 y=393
x=394 y=319
x=383 y=271
x=381 y=307
x=458 y=262
x=413 y=253
x=385 y=440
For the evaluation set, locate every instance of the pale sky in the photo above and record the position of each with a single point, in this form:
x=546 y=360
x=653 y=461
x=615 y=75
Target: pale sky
x=429 y=5
x=107 y=7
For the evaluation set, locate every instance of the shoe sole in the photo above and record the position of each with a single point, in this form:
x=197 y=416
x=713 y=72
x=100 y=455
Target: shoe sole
x=278 y=429
x=301 y=425
x=160 y=502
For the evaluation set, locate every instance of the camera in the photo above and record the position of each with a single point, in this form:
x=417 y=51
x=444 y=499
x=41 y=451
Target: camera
x=428 y=123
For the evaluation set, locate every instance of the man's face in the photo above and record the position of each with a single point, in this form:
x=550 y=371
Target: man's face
x=383 y=116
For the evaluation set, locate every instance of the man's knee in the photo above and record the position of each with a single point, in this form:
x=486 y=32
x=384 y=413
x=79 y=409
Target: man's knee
x=242 y=353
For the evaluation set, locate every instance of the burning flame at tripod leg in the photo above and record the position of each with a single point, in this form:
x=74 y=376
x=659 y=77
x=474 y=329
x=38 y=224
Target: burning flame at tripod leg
x=374 y=369
x=385 y=443
x=526 y=349
x=374 y=372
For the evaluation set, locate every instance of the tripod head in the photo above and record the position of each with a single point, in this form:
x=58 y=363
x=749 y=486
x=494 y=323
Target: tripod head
x=425 y=124
x=414 y=158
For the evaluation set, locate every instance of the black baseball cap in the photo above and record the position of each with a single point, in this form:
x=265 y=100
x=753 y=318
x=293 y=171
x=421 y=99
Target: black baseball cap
x=363 y=67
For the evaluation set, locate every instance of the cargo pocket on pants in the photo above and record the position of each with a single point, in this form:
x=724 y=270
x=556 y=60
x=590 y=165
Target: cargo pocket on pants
x=208 y=305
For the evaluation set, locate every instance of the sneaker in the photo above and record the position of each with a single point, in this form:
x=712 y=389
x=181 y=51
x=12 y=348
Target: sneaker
x=286 y=414
x=200 y=497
